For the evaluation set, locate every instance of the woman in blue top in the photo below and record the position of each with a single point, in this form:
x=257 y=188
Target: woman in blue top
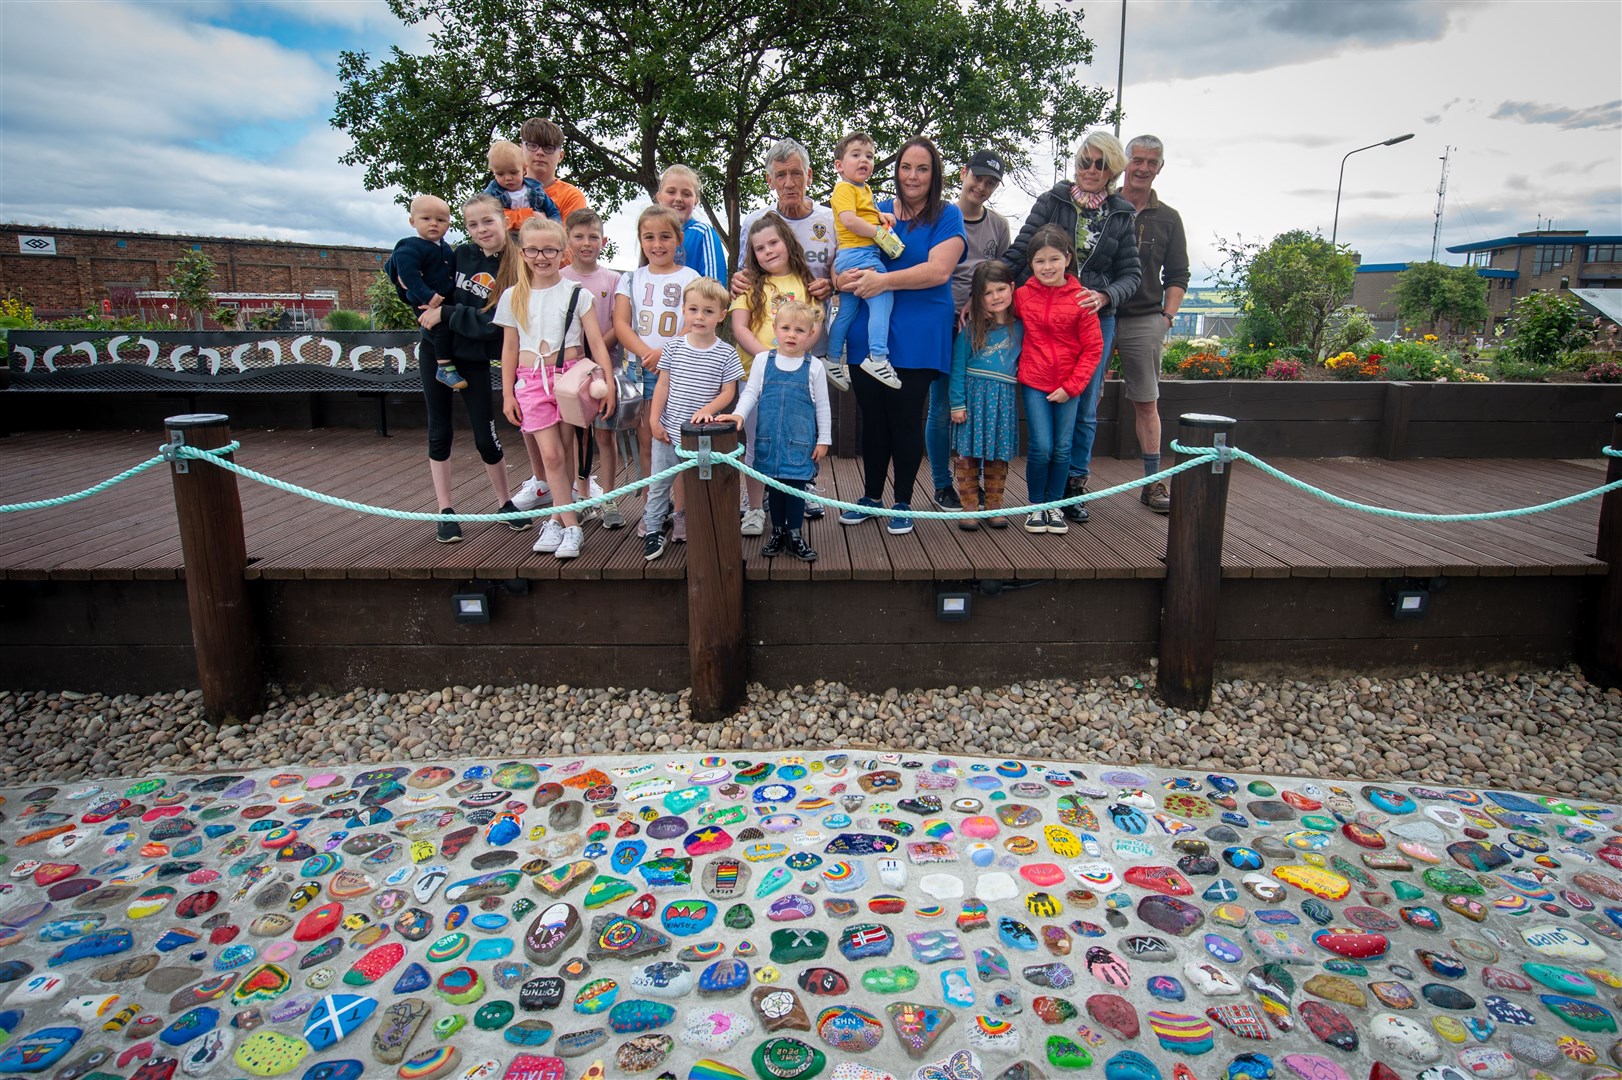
x=921 y=326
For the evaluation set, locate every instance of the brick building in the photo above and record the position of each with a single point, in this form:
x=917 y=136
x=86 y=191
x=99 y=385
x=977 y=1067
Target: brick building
x=65 y=271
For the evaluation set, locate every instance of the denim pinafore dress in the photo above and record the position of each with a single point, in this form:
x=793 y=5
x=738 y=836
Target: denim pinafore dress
x=785 y=423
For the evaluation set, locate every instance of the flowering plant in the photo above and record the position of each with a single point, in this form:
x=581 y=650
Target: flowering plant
x=1285 y=370
x=1606 y=371
x=1348 y=365
x=1204 y=365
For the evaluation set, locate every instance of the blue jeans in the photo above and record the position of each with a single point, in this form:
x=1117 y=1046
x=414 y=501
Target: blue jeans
x=1049 y=429
x=938 y=432
x=878 y=307
x=1081 y=460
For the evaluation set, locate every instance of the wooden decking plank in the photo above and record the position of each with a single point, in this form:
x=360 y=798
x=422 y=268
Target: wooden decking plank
x=869 y=558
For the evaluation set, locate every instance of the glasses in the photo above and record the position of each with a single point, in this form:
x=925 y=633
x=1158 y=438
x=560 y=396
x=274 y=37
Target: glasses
x=533 y=146
x=1092 y=163
x=542 y=253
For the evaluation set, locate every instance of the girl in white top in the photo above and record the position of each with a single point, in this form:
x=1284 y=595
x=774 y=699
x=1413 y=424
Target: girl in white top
x=543 y=339
x=647 y=308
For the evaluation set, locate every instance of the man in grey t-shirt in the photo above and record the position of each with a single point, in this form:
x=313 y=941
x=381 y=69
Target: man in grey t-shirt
x=989 y=237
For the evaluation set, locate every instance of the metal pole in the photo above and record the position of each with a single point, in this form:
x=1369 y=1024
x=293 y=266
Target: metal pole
x=1120 y=72
x=1334 y=230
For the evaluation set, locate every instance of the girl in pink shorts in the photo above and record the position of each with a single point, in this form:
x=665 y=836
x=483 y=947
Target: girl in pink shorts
x=547 y=332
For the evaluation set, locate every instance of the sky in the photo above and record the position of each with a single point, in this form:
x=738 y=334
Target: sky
x=211 y=117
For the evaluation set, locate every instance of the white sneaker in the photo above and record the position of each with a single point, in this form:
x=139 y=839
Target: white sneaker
x=880 y=369
x=754 y=523
x=573 y=536
x=532 y=493
x=551 y=536
x=595 y=488
x=839 y=374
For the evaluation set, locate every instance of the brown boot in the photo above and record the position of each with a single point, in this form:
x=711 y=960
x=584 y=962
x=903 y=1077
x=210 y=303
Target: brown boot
x=966 y=478
x=996 y=481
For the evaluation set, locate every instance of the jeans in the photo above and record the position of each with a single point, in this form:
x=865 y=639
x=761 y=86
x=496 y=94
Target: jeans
x=878 y=307
x=659 y=493
x=1081 y=460
x=1050 y=429
x=938 y=432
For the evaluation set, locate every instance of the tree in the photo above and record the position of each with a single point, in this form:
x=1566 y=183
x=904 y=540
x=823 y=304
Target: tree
x=1544 y=326
x=192 y=282
x=1431 y=294
x=389 y=312
x=636 y=87
x=1300 y=279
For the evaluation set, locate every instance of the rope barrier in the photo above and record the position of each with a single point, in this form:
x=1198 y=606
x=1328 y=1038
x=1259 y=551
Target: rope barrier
x=1198 y=455
x=1409 y=515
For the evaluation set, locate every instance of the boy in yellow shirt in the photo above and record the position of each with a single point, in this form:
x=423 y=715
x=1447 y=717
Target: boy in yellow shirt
x=857 y=225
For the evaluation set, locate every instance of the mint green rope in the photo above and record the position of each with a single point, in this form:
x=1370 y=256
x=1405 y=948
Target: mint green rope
x=412 y=515
x=1404 y=515
x=959 y=515
x=97 y=489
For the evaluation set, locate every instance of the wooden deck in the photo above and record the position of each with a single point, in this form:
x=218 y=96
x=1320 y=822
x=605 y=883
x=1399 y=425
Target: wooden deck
x=1273 y=531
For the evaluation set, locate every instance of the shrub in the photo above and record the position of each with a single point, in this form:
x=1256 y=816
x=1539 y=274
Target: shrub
x=1249 y=365
x=1606 y=371
x=1204 y=365
x=1286 y=369
x=339 y=319
x=1509 y=368
x=1545 y=325
x=1420 y=360
x=16 y=314
x=1583 y=359
x=1349 y=327
x=1259 y=329
x=388 y=312
x=1348 y=365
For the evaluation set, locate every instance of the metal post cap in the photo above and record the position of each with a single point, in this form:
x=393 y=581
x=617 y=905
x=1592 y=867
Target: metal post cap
x=196 y=420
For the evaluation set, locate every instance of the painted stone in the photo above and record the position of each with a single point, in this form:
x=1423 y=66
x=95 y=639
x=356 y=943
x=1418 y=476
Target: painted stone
x=849 y=1029
x=1329 y=1025
x=918 y=1026
x=1181 y=1033
x=1403 y=1037
x=779 y=1009
x=269 y=1053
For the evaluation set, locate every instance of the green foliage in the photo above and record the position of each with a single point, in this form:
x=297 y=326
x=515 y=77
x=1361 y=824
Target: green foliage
x=1175 y=354
x=1419 y=360
x=1299 y=280
x=1434 y=295
x=339 y=319
x=636 y=87
x=1543 y=327
x=1258 y=329
x=192 y=282
x=388 y=311
x=1349 y=327
x=1583 y=359
x=267 y=319
x=1509 y=368
x=1285 y=369
x=93 y=321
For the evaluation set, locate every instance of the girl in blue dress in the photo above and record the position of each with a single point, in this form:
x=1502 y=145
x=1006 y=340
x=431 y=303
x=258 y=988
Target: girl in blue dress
x=983 y=386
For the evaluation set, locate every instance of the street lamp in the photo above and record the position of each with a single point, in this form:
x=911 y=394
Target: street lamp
x=1335 y=229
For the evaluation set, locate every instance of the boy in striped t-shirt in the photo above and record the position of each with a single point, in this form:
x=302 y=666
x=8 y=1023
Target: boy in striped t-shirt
x=698 y=376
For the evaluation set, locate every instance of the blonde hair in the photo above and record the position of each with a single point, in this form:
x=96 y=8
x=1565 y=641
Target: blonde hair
x=503 y=152
x=522 y=287
x=658 y=213
x=1107 y=145
x=509 y=272
x=686 y=173
x=789 y=309
x=707 y=288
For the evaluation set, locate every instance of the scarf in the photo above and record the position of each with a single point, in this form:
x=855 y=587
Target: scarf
x=1089 y=222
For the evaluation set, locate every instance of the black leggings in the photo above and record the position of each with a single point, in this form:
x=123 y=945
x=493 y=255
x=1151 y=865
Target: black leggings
x=481 y=413
x=788 y=511
x=892 y=428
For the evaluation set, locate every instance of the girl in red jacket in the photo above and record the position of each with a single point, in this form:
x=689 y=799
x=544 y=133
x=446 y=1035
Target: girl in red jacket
x=1063 y=347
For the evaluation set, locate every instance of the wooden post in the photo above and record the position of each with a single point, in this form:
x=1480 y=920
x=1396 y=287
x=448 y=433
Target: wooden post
x=1188 y=619
x=1602 y=654
x=1394 y=421
x=715 y=643
x=216 y=556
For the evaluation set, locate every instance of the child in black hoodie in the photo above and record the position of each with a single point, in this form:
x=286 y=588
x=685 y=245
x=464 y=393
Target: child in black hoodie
x=484 y=266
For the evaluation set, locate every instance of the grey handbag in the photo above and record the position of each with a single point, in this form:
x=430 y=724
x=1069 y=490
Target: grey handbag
x=628 y=401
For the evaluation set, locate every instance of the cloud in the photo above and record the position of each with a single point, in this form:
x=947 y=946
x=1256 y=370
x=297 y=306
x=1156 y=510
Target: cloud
x=1193 y=38
x=1608 y=115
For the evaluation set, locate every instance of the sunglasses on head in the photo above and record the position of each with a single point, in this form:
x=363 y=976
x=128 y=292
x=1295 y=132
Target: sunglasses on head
x=1093 y=163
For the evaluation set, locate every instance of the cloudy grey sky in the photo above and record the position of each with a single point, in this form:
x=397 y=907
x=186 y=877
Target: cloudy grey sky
x=211 y=116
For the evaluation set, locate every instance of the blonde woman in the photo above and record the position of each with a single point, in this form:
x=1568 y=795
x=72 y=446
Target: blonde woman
x=1101 y=222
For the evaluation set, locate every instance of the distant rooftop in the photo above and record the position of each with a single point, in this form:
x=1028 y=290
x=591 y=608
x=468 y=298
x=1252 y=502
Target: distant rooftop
x=1542 y=238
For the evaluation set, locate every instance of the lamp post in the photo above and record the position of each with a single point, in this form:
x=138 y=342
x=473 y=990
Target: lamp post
x=1335 y=229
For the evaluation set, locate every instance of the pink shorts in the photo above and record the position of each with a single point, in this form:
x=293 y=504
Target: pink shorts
x=537 y=403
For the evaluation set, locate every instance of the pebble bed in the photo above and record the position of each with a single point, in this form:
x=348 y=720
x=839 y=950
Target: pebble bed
x=1550 y=732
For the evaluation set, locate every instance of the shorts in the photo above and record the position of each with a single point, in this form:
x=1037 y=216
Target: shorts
x=537 y=403
x=650 y=379
x=1139 y=340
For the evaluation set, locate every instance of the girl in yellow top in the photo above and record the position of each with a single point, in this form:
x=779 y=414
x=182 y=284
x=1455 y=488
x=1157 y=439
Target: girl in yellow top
x=778 y=272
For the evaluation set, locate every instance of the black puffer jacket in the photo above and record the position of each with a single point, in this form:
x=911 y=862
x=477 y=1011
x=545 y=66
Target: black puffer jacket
x=1111 y=268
